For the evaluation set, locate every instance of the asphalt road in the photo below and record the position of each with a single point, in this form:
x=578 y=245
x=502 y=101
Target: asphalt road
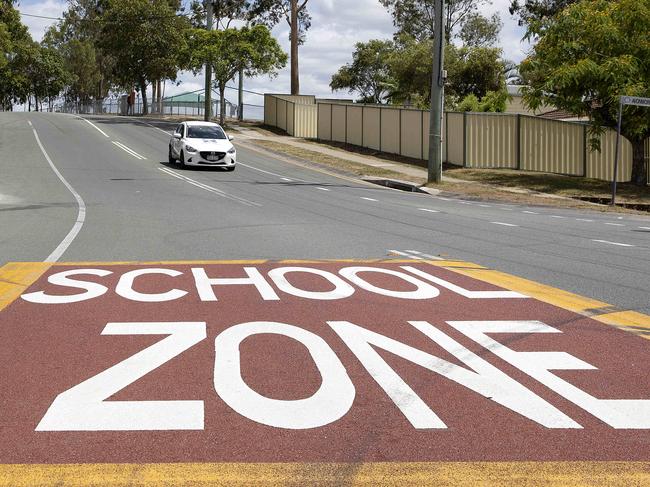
x=139 y=208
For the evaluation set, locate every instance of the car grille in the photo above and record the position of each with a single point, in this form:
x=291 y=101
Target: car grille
x=213 y=156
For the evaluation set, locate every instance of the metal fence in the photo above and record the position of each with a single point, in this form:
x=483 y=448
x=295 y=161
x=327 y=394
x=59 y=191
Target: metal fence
x=118 y=106
x=478 y=140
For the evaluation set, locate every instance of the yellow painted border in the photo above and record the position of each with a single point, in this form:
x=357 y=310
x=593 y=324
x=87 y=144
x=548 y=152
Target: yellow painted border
x=16 y=277
x=438 y=474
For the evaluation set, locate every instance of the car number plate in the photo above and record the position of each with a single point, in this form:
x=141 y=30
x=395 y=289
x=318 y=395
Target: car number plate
x=212 y=158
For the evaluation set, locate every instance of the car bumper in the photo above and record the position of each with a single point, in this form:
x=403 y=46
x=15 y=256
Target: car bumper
x=196 y=160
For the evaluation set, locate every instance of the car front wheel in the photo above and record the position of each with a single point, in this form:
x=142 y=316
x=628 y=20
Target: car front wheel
x=181 y=161
x=172 y=160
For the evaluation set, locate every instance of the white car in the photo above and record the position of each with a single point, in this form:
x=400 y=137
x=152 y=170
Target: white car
x=202 y=144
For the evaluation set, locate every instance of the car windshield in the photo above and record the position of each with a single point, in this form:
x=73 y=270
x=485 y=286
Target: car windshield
x=205 y=132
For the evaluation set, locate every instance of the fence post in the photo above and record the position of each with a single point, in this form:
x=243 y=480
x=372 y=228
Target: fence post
x=585 y=154
x=363 y=111
x=400 y=131
x=346 y=124
x=518 y=132
x=464 y=139
x=331 y=121
x=381 y=111
x=422 y=134
x=446 y=136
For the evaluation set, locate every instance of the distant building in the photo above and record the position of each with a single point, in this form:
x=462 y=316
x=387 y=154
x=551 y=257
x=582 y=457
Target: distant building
x=516 y=105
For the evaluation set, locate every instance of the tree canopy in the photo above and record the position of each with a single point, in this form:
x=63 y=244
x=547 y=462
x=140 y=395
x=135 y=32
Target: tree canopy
x=251 y=49
x=586 y=58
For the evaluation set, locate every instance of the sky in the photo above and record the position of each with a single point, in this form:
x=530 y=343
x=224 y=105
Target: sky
x=337 y=25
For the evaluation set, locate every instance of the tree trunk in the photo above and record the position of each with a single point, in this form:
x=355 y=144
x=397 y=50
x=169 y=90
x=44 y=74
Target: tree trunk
x=639 y=169
x=158 y=100
x=143 y=89
x=153 y=97
x=222 y=104
x=295 y=27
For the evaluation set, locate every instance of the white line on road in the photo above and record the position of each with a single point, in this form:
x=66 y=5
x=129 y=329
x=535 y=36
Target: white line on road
x=615 y=224
x=269 y=172
x=322 y=189
x=208 y=188
x=129 y=151
x=530 y=212
x=504 y=224
x=485 y=206
x=81 y=215
x=583 y=220
x=427 y=256
x=428 y=210
x=96 y=127
x=507 y=209
x=30 y=123
x=644 y=228
x=558 y=216
x=613 y=243
x=368 y=199
x=404 y=254
x=443 y=199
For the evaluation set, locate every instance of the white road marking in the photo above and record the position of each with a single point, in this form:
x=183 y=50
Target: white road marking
x=557 y=216
x=613 y=243
x=30 y=123
x=504 y=224
x=443 y=199
x=583 y=220
x=428 y=210
x=530 y=212
x=368 y=199
x=322 y=189
x=427 y=256
x=81 y=215
x=269 y=172
x=485 y=206
x=615 y=224
x=129 y=151
x=96 y=127
x=208 y=188
x=404 y=254
x=644 y=228
x=507 y=209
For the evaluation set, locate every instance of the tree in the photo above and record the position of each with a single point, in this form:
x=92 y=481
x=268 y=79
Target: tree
x=480 y=31
x=47 y=75
x=416 y=17
x=17 y=52
x=270 y=12
x=147 y=41
x=535 y=11
x=369 y=73
x=228 y=51
x=586 y=58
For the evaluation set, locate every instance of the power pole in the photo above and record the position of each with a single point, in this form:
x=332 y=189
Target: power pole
x=240 y=112
x=437 y=86
x=208 y=69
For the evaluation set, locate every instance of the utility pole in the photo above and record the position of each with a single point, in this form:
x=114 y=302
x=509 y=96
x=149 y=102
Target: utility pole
x=437 y=86
x=240 y=112
x=208 y=69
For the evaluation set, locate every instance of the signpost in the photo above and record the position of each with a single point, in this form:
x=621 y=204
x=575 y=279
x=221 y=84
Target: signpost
x=625 y=100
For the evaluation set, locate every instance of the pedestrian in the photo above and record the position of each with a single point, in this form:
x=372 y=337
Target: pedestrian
x=129 y=105
x=131 y=102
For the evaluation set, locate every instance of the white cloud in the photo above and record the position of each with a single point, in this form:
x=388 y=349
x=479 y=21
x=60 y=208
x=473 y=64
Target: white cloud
x=37 y=26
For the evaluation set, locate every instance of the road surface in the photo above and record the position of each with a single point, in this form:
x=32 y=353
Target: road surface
x=293 y=325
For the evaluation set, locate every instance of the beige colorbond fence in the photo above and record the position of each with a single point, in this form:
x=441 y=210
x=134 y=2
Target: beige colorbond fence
x=478 y=140
x=296 y=115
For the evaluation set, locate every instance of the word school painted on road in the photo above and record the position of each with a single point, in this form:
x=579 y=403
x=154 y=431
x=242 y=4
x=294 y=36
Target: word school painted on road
x=344 y=285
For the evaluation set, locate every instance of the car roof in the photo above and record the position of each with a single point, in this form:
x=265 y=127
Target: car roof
x=206 y=124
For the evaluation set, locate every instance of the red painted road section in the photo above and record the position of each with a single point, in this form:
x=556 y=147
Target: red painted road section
x=49 y=348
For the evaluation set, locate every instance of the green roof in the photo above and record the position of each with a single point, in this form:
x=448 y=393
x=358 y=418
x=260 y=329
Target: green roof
x=185 y=98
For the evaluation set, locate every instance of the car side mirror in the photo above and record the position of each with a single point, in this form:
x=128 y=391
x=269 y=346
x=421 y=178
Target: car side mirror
x=177 y=135
x=230 y=137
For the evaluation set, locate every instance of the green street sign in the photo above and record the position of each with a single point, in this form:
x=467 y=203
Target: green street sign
x=635 y=100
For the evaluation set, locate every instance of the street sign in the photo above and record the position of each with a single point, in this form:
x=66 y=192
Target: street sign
x=394 y=361
x=635 y=100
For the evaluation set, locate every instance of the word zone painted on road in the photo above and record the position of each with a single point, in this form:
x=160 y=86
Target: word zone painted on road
x=85 y=406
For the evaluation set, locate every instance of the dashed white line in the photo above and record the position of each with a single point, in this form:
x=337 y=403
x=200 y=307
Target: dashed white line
x=404 y=254
x=322 y=189
x=559 y=217
x=644 y=228
x=504 y=224
x=81 y=215
x=615 y=224
x=485 y=206
x=96 y=127
x=428 y=210
x=506 y=209
x=208 y=188
x=368 y=199
x=443 y=199
x=269 y=172
x=530 y=212
x=426 y=256
x=583 y=220
x=613 y=243
x=129 y=151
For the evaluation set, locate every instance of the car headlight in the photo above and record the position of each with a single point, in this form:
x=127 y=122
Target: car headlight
x=189 y=148
x=232 y=150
